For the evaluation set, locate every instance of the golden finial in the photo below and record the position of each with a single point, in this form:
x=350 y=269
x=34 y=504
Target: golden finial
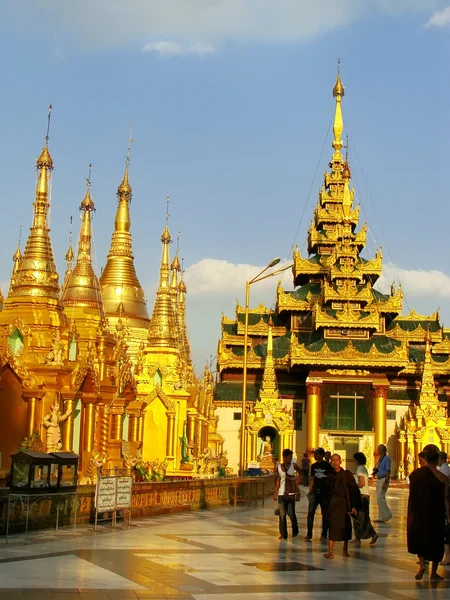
x=69 y=253
x=18 y=254
x=165 y=238
x=44 y=159
x=87 y=203
x=175 y=266
x=124 y=187
x=182 y=286
x=338 y=89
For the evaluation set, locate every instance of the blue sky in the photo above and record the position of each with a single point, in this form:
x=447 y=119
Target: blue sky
x=230 y=102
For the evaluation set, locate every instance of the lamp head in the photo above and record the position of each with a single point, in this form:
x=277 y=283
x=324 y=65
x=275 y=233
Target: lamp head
x=273 y=262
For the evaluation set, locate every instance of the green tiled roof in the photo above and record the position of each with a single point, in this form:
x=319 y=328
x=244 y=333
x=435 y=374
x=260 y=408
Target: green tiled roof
x=230 y=328
x=432 y=326
x=383 y=344
x=255 y=318
x=417 y=355
x=379 y=297
x=301 y=292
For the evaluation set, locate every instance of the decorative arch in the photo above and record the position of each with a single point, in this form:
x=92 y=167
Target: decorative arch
x=16 y=342
x=158 y=392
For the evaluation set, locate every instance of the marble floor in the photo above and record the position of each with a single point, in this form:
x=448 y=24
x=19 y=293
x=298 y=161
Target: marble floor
x=224 y=554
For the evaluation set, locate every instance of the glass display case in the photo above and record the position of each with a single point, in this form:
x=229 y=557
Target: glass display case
x=36 y=472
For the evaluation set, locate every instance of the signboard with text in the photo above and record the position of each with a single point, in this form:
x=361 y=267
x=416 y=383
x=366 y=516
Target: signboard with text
x=106 y=494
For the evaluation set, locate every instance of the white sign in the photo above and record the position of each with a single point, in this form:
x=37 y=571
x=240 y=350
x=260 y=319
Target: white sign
x=106 y=494
x=124 y=485
x=254 y=464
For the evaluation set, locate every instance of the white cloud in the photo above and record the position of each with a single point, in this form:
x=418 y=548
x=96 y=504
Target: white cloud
x=111 y=23
x=416 y=282
x=439 y=19
x=212 y=277
x=171 y=48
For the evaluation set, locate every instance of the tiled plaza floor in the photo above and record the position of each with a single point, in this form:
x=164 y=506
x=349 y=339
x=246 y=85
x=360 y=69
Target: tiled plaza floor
x=224 y=554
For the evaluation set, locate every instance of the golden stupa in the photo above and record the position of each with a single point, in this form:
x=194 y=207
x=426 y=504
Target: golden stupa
x=84 y=369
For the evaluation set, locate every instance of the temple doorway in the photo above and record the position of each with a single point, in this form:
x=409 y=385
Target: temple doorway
x=346 y=451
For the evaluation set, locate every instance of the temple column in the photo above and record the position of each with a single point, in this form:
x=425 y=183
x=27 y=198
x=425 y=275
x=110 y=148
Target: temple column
x=401 y=467
x=89 y=424
x=67 y=430
x=253 y=445
x=103 y=421
x=141 y=425
x=379 y=415
x=32 y=400
x=170 y=445
x=200 y=441
x=133 y=427
x=191 y=426
x=116 y=424
x=313 y=399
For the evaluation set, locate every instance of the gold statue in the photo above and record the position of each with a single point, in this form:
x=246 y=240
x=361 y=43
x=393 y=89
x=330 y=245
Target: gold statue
x=267 y=448
x=56 y=354
x=52 y=422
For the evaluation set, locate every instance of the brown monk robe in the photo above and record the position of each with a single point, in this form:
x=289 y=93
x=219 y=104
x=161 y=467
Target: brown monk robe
x=345 y=498
x=427 y=506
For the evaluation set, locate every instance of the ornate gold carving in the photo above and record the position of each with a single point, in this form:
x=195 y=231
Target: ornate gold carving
x=158 y=392
x=348 y=356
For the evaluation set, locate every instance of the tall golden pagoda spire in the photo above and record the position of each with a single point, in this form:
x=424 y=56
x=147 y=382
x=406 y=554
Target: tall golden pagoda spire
x=175 y=267
x=163 y=326
x=36 y=273
x=120 y=284
x=269 y=383
x=17 y=256
x=428 y=389
x=83 y=288
x=69 y=260
x=181 y=318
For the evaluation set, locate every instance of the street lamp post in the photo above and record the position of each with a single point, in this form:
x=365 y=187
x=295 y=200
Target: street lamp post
x=243 y=453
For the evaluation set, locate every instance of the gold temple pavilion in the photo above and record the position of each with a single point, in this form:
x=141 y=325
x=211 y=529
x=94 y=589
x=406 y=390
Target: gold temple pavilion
x=345 y=370
x=83 y=367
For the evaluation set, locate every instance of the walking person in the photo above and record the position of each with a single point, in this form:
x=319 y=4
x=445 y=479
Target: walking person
x=318 y=493
x=363 y=526
x=287 y=493
x=383 y=472
x=305 y=469
x=345 y=500
x=428 y=505
x=445 y=470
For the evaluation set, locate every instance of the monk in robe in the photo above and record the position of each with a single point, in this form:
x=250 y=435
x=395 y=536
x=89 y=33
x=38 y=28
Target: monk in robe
x=428 y=505
x=345 y=499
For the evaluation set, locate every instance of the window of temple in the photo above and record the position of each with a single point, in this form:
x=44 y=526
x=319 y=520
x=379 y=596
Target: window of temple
x=15 y=341
x=73 y=350
x=347 y=413
x=157 y=378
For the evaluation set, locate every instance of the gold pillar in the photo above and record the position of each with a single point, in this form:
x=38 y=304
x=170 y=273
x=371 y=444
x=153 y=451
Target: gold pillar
x=133 y=428
x=141 y=424
x=32 y=402
x=379 y=415
x=200 y=444
x=312 y=415
x=401 y=470
x=191 y=426
x=116 y=425
x=67 y=433
x=170 y=446
x=253 y=446
x=89 y=426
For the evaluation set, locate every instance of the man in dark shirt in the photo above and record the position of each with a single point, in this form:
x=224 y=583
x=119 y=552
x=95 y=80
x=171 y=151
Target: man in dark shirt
x=319 y=492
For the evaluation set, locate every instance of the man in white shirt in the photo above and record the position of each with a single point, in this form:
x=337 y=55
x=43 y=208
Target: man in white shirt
x=443 y=464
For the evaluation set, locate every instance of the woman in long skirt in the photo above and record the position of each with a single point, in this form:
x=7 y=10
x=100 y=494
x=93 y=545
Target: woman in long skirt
x=362 y=524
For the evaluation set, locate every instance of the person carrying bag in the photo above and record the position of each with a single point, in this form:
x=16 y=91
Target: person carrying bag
x=287 y=493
